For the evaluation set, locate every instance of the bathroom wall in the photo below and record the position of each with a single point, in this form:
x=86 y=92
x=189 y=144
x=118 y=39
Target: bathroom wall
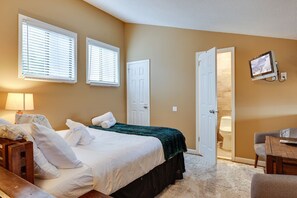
x=223 y=87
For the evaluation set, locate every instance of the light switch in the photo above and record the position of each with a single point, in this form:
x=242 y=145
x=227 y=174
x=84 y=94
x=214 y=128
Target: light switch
x=174 y=108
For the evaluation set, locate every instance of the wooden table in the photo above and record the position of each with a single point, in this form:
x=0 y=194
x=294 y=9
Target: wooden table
x=94 y=194
x=14 y=186
x=280 y=158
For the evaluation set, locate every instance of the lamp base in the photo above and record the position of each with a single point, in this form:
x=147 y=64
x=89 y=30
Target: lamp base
x=19 y=112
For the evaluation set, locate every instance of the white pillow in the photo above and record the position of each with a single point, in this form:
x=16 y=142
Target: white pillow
x=72 y=124
x=4 y=122
x=54 y=147
x=30 y=118
x=86 y=138
x=42 y=168
x=72 y=137
x=11 y=132
x=78 y=129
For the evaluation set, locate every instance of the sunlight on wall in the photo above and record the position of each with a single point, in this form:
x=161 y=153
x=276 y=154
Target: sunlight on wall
x=8 y=115
x=18 y=85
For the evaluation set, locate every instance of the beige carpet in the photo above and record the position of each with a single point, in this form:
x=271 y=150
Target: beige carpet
x=226 y=180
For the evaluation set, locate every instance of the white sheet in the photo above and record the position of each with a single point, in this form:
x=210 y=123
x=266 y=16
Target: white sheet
x=72 y=182
x=118 y=159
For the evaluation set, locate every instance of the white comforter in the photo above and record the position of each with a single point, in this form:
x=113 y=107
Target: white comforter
x=72 y=182
x=118 y=159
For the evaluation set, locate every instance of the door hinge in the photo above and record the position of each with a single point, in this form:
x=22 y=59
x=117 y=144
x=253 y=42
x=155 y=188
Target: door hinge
x=198 y=139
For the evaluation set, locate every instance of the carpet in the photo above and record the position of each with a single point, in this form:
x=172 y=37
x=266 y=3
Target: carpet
x=226 y=180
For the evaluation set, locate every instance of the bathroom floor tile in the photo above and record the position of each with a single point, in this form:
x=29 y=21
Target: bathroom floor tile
x=221 y=153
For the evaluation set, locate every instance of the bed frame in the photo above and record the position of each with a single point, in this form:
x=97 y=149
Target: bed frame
x=155 y=181
x=17 y=157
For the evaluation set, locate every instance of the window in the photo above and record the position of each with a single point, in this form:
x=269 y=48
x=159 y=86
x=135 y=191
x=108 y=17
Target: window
x=46 y=52
x=103 y=63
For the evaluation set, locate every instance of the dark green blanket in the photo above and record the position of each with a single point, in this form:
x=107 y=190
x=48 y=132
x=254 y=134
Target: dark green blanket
x=173 y=140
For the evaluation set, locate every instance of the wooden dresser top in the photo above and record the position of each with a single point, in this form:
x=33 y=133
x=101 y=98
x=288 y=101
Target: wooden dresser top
x=275 y=148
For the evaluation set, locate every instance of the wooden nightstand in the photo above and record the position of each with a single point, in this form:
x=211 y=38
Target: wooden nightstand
x=4 y=143
x=17 y=157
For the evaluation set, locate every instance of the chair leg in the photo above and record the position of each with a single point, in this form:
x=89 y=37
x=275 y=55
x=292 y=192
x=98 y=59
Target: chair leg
x=256 y=161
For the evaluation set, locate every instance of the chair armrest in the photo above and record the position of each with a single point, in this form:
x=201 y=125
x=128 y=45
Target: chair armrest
x=273 y=186
x=259 y=137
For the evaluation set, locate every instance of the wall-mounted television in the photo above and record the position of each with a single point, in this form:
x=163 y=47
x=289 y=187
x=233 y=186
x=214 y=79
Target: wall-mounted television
x=263 y=66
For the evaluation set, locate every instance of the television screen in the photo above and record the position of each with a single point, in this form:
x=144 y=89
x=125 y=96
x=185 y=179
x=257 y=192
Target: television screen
x=263 y=66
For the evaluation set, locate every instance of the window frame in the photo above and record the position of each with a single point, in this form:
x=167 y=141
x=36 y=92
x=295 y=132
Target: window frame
x=52 y=28
x=106 y=46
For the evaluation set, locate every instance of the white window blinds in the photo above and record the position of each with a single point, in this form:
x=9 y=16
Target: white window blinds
x=102 y=63
x=46 y=52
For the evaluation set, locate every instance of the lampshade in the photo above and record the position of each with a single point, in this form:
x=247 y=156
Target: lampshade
x=19 y=101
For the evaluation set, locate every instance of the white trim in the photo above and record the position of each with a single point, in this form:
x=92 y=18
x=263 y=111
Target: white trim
x=148 y=63
x=90 y=41
x=193 y=152
x=103 y=45
x=49 y=27
x=46 y=26
x=249 y=161
x=197 y=101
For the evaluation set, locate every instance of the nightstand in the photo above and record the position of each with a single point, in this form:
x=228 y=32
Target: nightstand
x=17 y=157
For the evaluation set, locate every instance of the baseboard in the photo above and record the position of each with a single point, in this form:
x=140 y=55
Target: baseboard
x=248 y=161
x=236 y=159
x=192 y=151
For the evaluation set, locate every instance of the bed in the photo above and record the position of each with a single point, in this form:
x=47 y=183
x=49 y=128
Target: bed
x=120 y=165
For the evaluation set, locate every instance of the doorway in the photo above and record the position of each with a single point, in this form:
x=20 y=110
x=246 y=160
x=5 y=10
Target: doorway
x=225 y=99
x=138 y=92
x=208 y=130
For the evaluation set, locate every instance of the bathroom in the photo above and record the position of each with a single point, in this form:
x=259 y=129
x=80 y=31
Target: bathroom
x=224 y=97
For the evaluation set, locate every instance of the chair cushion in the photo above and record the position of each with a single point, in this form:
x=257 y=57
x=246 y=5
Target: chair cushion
x=260 y=150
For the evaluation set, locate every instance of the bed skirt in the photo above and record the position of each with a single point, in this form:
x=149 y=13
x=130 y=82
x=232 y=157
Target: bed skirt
x=152 y=183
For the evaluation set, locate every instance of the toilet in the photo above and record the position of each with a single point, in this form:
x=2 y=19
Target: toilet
x=226 y=132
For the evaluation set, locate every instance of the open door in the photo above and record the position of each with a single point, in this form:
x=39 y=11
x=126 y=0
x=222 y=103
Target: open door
x=207 y=104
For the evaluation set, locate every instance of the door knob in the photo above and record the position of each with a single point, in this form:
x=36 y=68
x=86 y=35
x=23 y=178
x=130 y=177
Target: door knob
x=213 y=111
x=145 y=107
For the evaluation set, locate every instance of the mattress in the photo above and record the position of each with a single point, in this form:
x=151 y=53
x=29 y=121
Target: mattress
x=118 y=159
x=72 y=182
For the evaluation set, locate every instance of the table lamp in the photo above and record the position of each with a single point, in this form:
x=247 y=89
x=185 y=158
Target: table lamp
x=19 y=102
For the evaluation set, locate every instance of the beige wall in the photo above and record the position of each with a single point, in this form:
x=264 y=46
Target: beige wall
x=260 y=105
x=224 y=61
x=59 y=101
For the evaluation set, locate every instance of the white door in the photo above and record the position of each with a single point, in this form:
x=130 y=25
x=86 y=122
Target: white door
x=138 y=92
x=207 y=104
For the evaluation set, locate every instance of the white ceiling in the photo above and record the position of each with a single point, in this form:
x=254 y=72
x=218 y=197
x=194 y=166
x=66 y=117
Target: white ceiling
x=272 y=18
